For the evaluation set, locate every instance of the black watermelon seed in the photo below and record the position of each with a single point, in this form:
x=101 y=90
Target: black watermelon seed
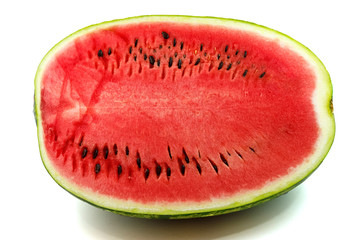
x=174 y=42
x=214 y=166
x=181 y=45
x=205 y=54
x=165 y=35
x=182 y=169
x=146 y=173
x=197 y=61
x=170 y=61
x=239 y=154
x=228 y=56
x=229 y=66
x=84 y=152
x=119 y=169
x=95 y=152
x=223 y=159
x=160 y=46
x=201 y=47
x=184 y=55
x=152 y=60
x=218 y=56
x=185 y=156
x=136 y=42
x=109 y=51
x=115 y=149
x=135 y=58
x=262 y=75
x=169 y=152
x=97 y=168
x=220 y=65
x=226 y=48
x=130 y=49
x=198 y=167
x=158 y=62
x=175 y=54
x=145 y=56
x=127 y=151
x=245 y=72
x=158 y=170
x=168 y=171
x=100 y=53
x=179 y=63
x=253 y=150
x=245 y=54
x=140 y=50
x=106 y=152
x=237 y=52
x=138 y=162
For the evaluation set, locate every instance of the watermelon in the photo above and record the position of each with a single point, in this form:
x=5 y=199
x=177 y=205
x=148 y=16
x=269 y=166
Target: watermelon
x=179 y=116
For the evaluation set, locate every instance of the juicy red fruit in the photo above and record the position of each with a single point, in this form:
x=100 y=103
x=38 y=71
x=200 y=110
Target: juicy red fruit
x=131 y=112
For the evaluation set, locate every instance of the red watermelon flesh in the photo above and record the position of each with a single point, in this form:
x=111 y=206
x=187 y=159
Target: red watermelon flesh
x=171 y=113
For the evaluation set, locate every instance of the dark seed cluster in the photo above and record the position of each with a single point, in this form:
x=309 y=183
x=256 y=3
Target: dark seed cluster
x=227 y=62
x=184 y=161
x=226 y=59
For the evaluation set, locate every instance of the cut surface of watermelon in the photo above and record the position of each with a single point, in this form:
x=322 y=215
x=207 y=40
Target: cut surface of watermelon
x=174 y=116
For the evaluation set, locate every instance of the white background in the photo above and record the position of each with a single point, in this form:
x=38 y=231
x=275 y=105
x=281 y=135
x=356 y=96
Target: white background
x=33 y=206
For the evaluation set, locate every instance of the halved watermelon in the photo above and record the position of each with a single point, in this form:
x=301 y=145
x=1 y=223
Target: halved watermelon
x=179 y=117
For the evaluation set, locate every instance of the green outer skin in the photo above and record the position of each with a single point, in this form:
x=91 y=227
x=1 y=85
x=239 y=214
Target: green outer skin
x=195 y=215
x=168 y=214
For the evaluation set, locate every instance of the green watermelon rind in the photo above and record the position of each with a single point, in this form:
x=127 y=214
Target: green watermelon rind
x=194 y=214
x=322 y=101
